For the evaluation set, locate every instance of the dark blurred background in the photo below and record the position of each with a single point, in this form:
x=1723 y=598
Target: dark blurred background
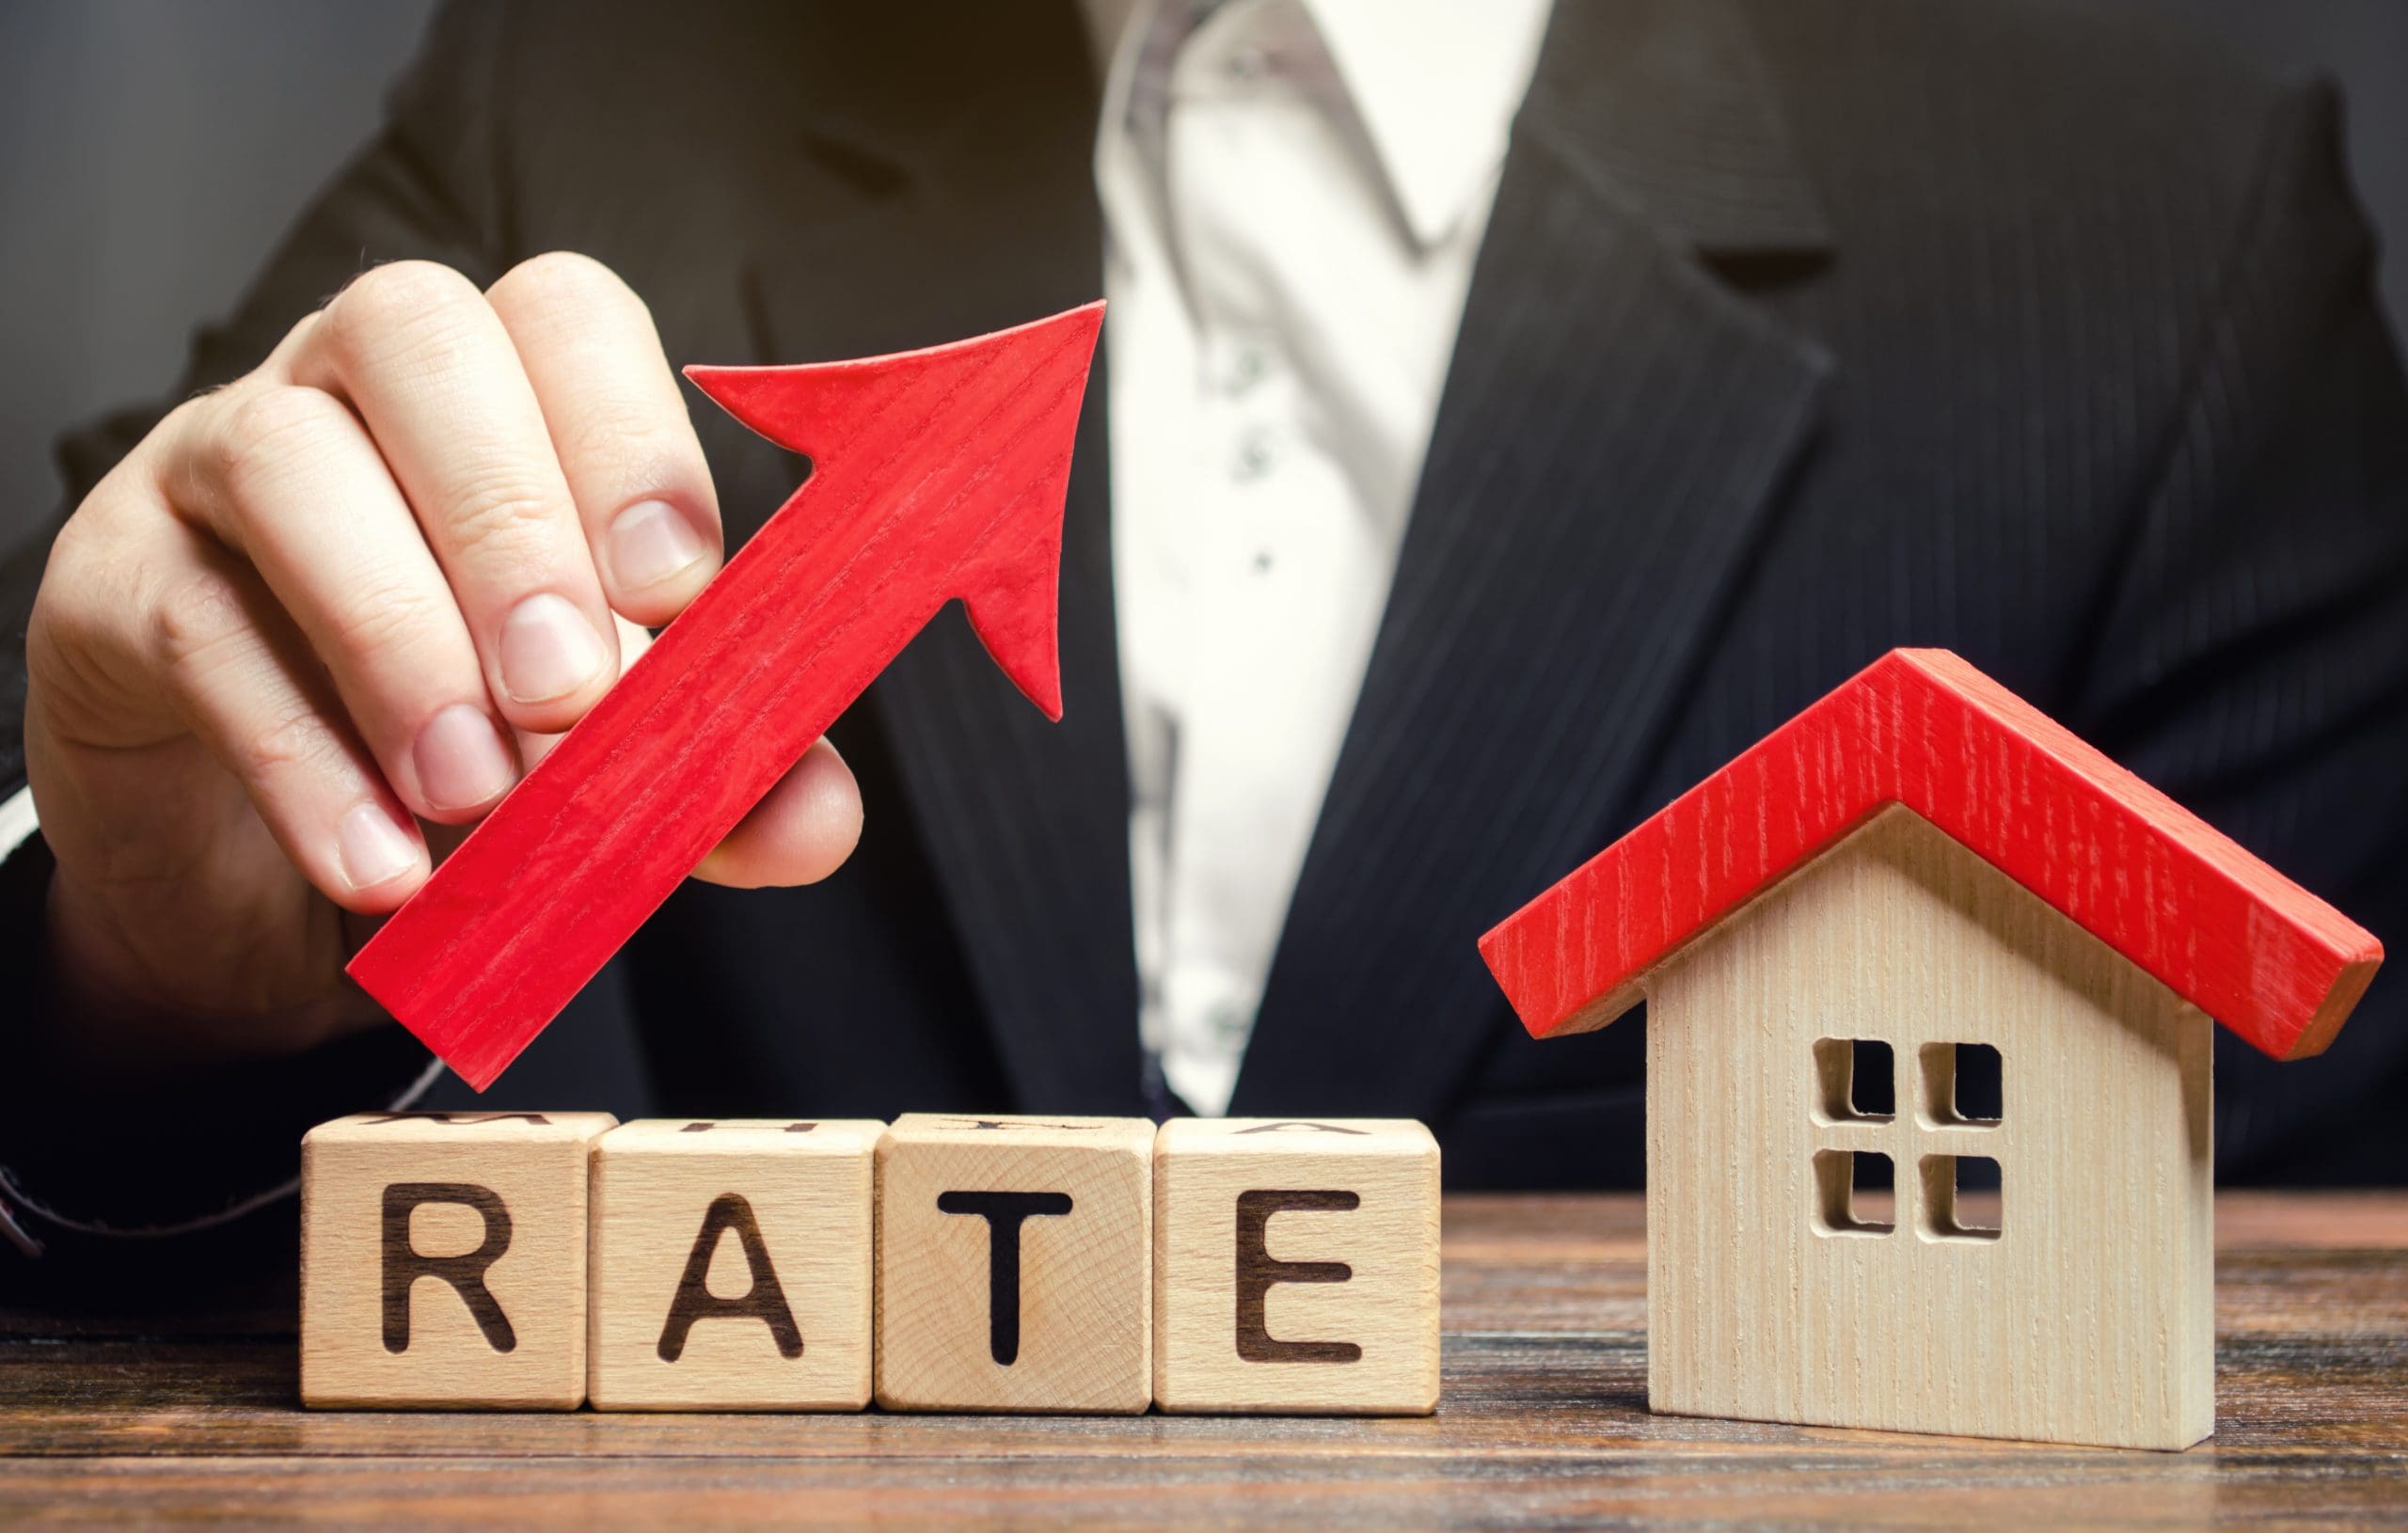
x=153 y=150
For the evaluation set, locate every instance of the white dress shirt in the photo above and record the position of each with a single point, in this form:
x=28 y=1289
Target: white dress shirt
x=1293 y=194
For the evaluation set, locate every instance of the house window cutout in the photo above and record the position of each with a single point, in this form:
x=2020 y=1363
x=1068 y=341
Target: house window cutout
x=1964 y=1085
x=1855 y=1081
x=1852 y=1192
x=1961 y=1198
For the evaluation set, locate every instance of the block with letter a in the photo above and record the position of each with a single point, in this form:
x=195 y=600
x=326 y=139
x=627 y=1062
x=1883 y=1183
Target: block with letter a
x=443 y=1259
x=1014 y=1264
x=1296 y=1266
x=730 y=1265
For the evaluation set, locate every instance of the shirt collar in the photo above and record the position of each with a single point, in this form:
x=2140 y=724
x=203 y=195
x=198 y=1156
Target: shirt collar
x=1437 y=84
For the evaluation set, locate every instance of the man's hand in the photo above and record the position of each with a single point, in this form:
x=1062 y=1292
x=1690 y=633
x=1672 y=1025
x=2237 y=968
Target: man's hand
x=349 y=593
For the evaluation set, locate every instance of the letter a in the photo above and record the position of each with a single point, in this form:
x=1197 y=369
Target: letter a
x=765 y=1301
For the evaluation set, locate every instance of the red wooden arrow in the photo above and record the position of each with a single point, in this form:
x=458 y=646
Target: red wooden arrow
x=936 y=474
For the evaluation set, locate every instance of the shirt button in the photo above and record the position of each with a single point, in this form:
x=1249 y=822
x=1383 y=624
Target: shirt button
x=1248 y=62
x=1254 y=457
x=1247 y=368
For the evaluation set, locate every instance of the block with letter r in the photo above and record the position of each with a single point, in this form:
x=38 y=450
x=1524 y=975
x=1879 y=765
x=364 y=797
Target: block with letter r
x=443 y=1259
x=1296 y=1266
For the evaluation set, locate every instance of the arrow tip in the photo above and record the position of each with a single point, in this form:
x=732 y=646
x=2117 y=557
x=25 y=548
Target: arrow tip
x=1012 y=604
x=1010 y=585
x=810 y=407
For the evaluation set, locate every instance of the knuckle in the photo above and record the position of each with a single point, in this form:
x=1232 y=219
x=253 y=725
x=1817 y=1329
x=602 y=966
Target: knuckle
x=560 y=285
x=390 y=305
x=196 y=620
x=377 y=618
x=268 y=429
x=622 y=435
x=184 y=449
x=293 y=737
x=191 y=418
x=503 y=511
x=298 y=339
x=400 y=288
x=102 y=560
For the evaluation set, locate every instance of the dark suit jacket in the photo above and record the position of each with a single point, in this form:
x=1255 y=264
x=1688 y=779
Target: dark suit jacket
x=1802 y=330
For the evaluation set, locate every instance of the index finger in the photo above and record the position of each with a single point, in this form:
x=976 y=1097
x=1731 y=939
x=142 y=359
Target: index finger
x=417 y=352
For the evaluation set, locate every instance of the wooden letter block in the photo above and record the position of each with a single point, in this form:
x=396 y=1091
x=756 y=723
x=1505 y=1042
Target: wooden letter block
x=1014 y=1259
x=443 y=1259
x=1296 y=1266
x=731 y=1265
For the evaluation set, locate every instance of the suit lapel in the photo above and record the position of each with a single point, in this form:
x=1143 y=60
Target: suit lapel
x=952 y=196
x=1614 y=427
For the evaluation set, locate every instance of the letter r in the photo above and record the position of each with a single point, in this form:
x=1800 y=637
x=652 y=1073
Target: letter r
x=404 y=1265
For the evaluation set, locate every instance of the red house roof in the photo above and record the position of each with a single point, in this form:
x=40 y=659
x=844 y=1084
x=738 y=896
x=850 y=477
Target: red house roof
x=1924 y=728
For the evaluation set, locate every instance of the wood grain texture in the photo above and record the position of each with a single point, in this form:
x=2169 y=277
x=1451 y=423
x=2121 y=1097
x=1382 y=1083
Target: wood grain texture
x=443 y=1259
x=2087 y=1317
x=1015 y=1264
x=1296 y=1266
x=1924 y=728
x=937 y=474
x=182 y=1410
x=730 y=1265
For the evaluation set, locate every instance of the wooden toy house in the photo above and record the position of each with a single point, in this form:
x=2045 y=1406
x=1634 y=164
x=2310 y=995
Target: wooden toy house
x=1931 y=986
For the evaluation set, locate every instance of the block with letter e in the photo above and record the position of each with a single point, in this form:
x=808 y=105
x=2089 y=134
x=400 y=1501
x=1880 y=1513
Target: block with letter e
x=1014 y=1264
x=730 y=1265
x=1296 y=1266
x=443 y=1259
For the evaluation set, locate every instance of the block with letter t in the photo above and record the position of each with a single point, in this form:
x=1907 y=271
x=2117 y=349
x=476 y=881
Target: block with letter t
x=443 y=1259
x=1296 y=1266
x=1014 y=1264
x=731 y=1265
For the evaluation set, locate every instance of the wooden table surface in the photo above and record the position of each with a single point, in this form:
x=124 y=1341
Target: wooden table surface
x=1544 y=1423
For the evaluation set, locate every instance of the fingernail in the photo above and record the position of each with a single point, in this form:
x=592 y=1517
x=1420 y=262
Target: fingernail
x=461 y=760
x=547 y=649
x=373 y=848
x=650 y=542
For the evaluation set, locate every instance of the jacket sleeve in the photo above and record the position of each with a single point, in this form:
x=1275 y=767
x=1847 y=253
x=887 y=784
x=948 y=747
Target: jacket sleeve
x=77 y=1177
x=2251 y=655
